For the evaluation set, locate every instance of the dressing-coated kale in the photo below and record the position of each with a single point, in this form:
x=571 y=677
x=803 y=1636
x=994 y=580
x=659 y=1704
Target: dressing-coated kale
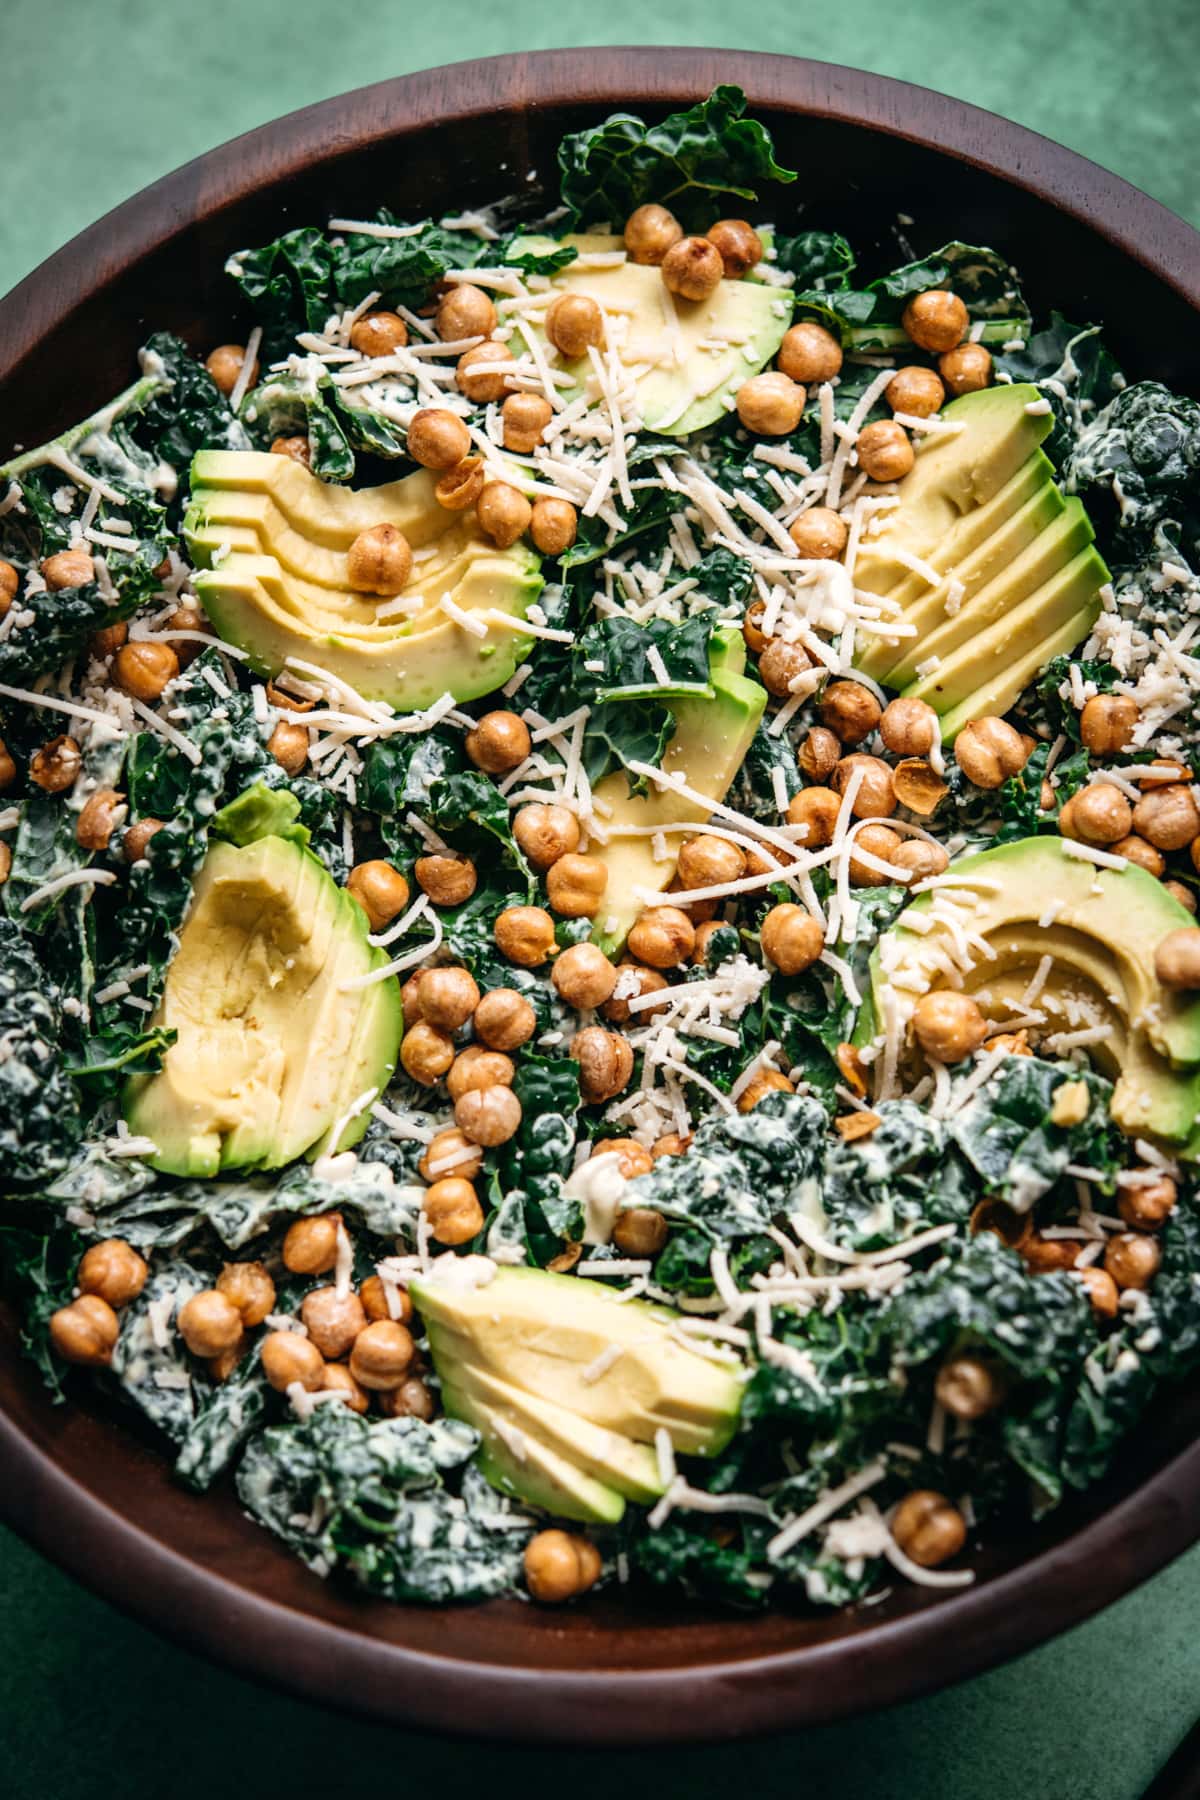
x=1135 y=465
x=40 y=1124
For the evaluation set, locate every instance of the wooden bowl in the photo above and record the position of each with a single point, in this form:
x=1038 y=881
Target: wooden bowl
x=79 y=1482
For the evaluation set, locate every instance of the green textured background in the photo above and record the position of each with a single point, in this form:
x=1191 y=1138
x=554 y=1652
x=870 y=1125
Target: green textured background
x=102 y=96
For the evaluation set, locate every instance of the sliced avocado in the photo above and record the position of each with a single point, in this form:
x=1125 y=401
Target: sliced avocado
x=1003 y=688
x=526 y=1467
x=1106 y=926
x=727 y=651
x=695 y=354
x=268 y=1034
x=710 y=742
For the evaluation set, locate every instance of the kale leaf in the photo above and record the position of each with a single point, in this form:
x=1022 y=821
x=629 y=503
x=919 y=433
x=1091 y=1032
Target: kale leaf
x=819 y=260
x=1075 y=372
x=1006 y=1133
x=40 y=1123
x=869 y=318
x=1135 y=466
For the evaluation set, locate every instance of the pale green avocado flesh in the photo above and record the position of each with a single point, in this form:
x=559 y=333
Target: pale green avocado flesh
x=1101 y=928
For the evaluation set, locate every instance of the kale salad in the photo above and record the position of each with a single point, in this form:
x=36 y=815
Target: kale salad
x=599 y=848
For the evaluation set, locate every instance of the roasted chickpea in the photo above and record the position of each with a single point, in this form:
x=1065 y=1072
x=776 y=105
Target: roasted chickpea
x=452 y=1207
x=968 y=1387
x=948 y=1026
x=525 y=934
x=559 y=1565
x=792 y=938
x=488 y=1116
x=221 y=1367
x=464 y=311
x=921 y=858
x=1177 y=958
x=374 y=1296
x=447 y=879
x=1136 y=850
x=379 y=561
x=554 y=525
x=752 y=631
x=1047 y=1256
x=770 y=405
x=136 y=839
x=1097 y=814
x=106 y=642
x=378 y=333
x=966 y=368
x=524 y=418
x=876 y=795
x=764 y=1082
x=817 y=809
x=810 y=354
x=1101 y=1291
x=426 y=1053
x=310 y=1245
x=249 y=1289
x=1132 y=1259
x=707 y=860
x=885 y=451
x=576 y=884
x=225 y=365
x=1107 y=722
x=1184 y=895
x=1149 y=1205
x=908 y=727
x=928 y=1529
x=819 y=533
x=332 y=1320
x=574 y=323
x=55 y=766
x=584 y=977
x=337 y=1379
x=873 y=840
x=499 y=742
x=383 y=1351
x=448 y=997
x=437 y=438
x=663 y=937
x=605 y=1061
x=740 y=246
x=8 y=768
x=287 y=1357
x=503 y=513
x=650 y=231
x=780 y=664
x=85 y=1332
x=209 y=1324
x=639 y=1230
x=188 y=618
x=918 y=786
x=692 y=268
x=850 y=711
x=113 y=1270
x=296 y=449
x=546 y=832
x=936 y=320
x=10 y=584
x=448 y=1153
x=916 y=391
x=820 y=753
x=476 y=1067
x=700 y=912
x=988 y=751
x=288 y=744
x=1167 y=817
x=98 y=819
x=460 y=487
x=380 y=890
x=67 y=569
x=411 y=1400
x=670 y=1145
x=144 y=667
x=649 y=981
x=633 y=1159
x=482 y=373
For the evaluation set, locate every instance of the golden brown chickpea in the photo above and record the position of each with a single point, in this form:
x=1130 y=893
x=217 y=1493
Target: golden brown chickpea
x=575 y=885
x=1101 y=1291
x=447 y=879
x=288 y=744
x=379 y=561
x=1136 y=850
x=105 y=643
x=650 y=232
x=464 y=312
x=1147 y=1207
x=332 y=1320
x=504 y=1019
x=310 y=1246
x=411 y=1400
x=460 y=486
x=605 y=1061
x=988 y=751
x=739 y=244
x=574 y=323
x=918 y=786
x=374 y=1297
x=885 y=451
x=503 y=512
x=663 y=937
x=143 y=668
x=187 y=618
x=707 y=860
x=966 y=368
x=876 y=795
x=488 y=1116
x=770 y=405
x=10 y=582
x=908 y=727
x=8 y=768
x=524 y=418
x=928 y=1529
x=584 y=977
x=693 y=268
x=249 y=1289
x=819 y=533
x=1132 y=1259
x=525 y=934
x=113 y=1270
x=936 y=320
x=1184 y=895
x=6 y=856
x=85 y=1332
x=225 y=364
x=221 y=1367
x=383 y=1352
x=1097 y=814
x=426 y=1053
x=670 y=1145
x=792 y=938
x=766 y=1081
x=55 y=766
x=639 y=1230
x=337 y=1379
x=296 y=449
x=448 y=997
x=968 y=1387
x=554 y=526
x=752 y=631
x=452 y=1207
x=1167 y=817
x=948 y=1026
x=437 y=438
x=618 y=1012
x=817 y=809
x=137 y=838
x=1177 y=959
x=820 y=753
x=449 y=1152
x=67 y=569
x=482 y=373
x=499 y=742
x=633 y=1159
x=921 y=858
x=98 y=819
x=1107 y=722
x=873 y=840
x=780 y=664
x=379 y=333
x=1047 y=1256
x=810 y=354
x=916 y=391
x=380 y=890
x=546 y=832
x=1171 y=772
x=559 y=1565
x=287 y=1357
x=850 y=711
x=476 y=1067
x=209 y=1324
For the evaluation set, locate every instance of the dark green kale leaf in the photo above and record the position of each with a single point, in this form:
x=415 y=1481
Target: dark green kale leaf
x=37 y=1272
x=227 y=1416
x=1006 y=1134
x=652 y=506
x=753 y=790
x=1135 y=466
x=869 y=318
x=695 y=162
x=819 y=260
x=40 y=1124
x=532 y=1212
x=289 y=286
x=293 y=405
x=720 y=1562
x=1075 y=372
x=431 y=777
x=401 y=270
x=191 y=414
x=899 y=1178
